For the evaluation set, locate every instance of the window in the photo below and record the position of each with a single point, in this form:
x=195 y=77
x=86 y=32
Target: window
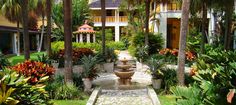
x=109 y=12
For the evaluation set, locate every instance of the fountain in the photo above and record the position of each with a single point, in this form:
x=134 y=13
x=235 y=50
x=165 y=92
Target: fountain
x=124 y=73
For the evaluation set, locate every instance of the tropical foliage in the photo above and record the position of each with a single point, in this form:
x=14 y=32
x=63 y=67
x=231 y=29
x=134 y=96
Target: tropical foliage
x=15 y=90
x=35 y=70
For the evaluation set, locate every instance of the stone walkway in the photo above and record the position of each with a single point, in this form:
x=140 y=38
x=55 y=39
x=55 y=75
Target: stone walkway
x=124 y=97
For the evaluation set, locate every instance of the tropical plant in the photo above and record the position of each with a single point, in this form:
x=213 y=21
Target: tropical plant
x=44 y=59
x=16 y=90
x=110 y=55
x=156 y=67
x=80 y=10
x=188 y=95
x=214 y=77
x=142 y=53
x=3 y=61
x=169 y=79
x=156 y=42
x=68 y=91
x=33 y=69
x=89 y=69
x=55 y=86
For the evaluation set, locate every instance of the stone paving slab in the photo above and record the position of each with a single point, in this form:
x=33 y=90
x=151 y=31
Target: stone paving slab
x=124 y=97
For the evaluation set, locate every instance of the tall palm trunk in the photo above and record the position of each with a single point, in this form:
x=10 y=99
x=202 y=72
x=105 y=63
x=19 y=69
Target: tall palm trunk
x=18 y=38
x=204 y=19
x=67 y=6
x=147 y=21
x=182 y=42
x=41 y=38
x=103 y=16
x=229 y=13
x=49 y=26
x=24 y=6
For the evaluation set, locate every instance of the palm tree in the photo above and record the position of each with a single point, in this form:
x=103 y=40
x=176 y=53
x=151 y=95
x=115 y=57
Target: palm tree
x=67 y=4
x=49 y=25
x=11 y=9
x=147 y=21
x=41 y=9
x=229 y=9
x=182 y=42
x=24 y=6
x=103 y=16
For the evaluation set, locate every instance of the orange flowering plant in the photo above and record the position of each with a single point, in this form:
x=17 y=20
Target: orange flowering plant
x=172 y=54
x=33 y=69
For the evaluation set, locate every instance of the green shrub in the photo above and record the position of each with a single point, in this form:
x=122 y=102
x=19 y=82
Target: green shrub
x=109 y=35
x=194 y=40
x=3 y=61
x=169 y=79
x=68 y=91
x=116 y=45
x=58 y=82
x=59 y=45
x=214 y=78
x=156 y=42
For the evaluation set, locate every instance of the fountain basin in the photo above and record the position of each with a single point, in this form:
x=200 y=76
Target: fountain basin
x=124 y=75
x=124 y=67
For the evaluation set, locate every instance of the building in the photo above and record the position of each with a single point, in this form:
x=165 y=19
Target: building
x=167 y=21
x=10 y=43
x=115 y=19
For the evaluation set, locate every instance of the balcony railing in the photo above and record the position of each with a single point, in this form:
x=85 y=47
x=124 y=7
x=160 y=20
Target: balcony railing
x=123 y=19
x=109 y=19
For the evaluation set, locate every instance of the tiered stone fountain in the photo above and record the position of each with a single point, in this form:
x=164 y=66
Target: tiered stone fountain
x=124 y=72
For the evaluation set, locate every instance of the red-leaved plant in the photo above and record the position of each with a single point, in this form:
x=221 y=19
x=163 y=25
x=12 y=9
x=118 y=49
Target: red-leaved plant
x=33 y=69
x=77 y=53
x=190 y=56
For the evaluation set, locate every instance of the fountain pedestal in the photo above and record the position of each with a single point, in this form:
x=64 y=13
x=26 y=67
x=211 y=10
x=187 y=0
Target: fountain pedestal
x=124 y=73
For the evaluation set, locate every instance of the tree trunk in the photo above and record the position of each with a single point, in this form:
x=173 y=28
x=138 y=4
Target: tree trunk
x=228 y=13
x=67 y=6
x=24 y=6
x=204 y=20
x=103 y=7
x=18 y=38
x=49 y=26
x=147 y=21
x=182 y=42
x=41 y=38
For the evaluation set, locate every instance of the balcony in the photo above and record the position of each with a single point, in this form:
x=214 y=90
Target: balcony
x=110 y=19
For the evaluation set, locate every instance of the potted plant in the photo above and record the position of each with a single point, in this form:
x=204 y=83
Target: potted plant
x=89 y=71
x=156 y=65
x=110 y=59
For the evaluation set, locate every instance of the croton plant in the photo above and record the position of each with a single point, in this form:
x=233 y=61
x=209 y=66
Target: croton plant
x=77 y=53
x=33 y=69
x=190 y=56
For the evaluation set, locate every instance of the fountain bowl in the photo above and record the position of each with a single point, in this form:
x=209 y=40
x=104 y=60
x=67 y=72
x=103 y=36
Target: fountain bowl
x=124 y=67
x=124 y=75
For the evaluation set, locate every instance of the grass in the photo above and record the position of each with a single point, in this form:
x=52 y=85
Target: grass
x=167 y=99
x=18 y=59
x=70 y=102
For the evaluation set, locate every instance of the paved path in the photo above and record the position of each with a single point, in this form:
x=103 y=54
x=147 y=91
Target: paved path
x=124 y=97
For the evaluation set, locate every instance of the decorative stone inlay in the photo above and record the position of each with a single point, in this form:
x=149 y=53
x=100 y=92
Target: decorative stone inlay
x=124 y=97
